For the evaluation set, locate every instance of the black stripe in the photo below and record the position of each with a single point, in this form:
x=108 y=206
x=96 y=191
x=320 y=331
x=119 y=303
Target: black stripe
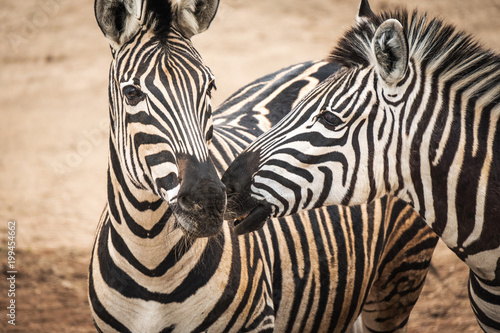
x=483 y=319
x=357 y=148
x=341 y=252
x=97 y=306
x=328 y=180
x=325 y=268
x=138 y=229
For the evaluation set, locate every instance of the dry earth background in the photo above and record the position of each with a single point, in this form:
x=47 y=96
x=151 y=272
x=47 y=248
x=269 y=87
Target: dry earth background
x=53 y=134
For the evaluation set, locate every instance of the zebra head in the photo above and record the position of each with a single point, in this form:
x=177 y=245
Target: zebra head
x=324 y=151
x=161 y=121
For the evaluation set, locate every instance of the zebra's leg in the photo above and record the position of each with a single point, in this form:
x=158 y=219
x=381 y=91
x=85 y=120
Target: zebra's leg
x=485 y=301
x=401 y=275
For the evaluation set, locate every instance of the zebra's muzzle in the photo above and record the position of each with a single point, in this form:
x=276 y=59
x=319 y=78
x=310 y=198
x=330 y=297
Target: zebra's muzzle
x=201 y=199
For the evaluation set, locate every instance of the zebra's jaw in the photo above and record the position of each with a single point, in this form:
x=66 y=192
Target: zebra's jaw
x=249 y=214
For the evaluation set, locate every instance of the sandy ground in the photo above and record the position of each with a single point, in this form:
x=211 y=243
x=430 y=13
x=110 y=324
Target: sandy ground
x=53 y=134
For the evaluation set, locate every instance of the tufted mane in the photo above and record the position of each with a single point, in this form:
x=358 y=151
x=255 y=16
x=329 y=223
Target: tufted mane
x=159 y=17
x=430 y=41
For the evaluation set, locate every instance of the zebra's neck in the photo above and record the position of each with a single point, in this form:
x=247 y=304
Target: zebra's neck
x=449 y=131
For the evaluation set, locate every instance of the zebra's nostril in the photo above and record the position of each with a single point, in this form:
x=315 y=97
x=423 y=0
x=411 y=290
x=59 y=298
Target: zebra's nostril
x=188 y=203
x=184 y=202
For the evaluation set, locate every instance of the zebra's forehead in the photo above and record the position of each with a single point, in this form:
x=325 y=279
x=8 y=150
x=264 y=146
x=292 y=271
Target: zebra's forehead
x=147 y=57
x=146 y=51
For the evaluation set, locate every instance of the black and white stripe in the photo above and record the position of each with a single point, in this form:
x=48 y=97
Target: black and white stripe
x=413 y=113
x=153 y=269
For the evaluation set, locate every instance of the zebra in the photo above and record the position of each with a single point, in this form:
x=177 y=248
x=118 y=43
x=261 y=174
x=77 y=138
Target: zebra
x=164 y=261
x=413 y=113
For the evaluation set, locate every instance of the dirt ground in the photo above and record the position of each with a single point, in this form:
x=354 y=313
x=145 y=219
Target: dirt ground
x=53 y=133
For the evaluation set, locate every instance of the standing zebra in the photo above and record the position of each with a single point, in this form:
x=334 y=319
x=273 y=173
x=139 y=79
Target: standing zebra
x=164 y=261
x=414 y=114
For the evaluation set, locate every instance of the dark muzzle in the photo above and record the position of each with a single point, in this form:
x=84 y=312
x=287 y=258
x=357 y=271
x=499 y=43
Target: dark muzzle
x=201 y=200
x=250 y=214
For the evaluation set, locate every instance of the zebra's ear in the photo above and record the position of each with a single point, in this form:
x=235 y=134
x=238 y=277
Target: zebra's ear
x=118 y=19
x=192 y=17
x=390 y=49
x=364 y=12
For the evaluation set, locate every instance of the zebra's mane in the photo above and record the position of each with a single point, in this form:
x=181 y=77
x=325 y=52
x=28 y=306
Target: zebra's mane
x=159 y=18
x=430 y=40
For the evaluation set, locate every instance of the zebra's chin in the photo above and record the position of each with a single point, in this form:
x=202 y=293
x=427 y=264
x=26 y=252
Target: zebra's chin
x=248 y=213
x=196 y=225
x=254 y=220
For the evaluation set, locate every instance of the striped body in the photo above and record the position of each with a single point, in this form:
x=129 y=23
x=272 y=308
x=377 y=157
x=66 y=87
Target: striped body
x=313 y=273
x=414 y=114
x=164 y=261
x=290 y=279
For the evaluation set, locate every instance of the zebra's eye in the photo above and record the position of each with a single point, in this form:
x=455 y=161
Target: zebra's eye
x=329 y=120
x=133 y=94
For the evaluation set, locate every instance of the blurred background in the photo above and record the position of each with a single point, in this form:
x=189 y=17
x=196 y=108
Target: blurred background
x=54 y=124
